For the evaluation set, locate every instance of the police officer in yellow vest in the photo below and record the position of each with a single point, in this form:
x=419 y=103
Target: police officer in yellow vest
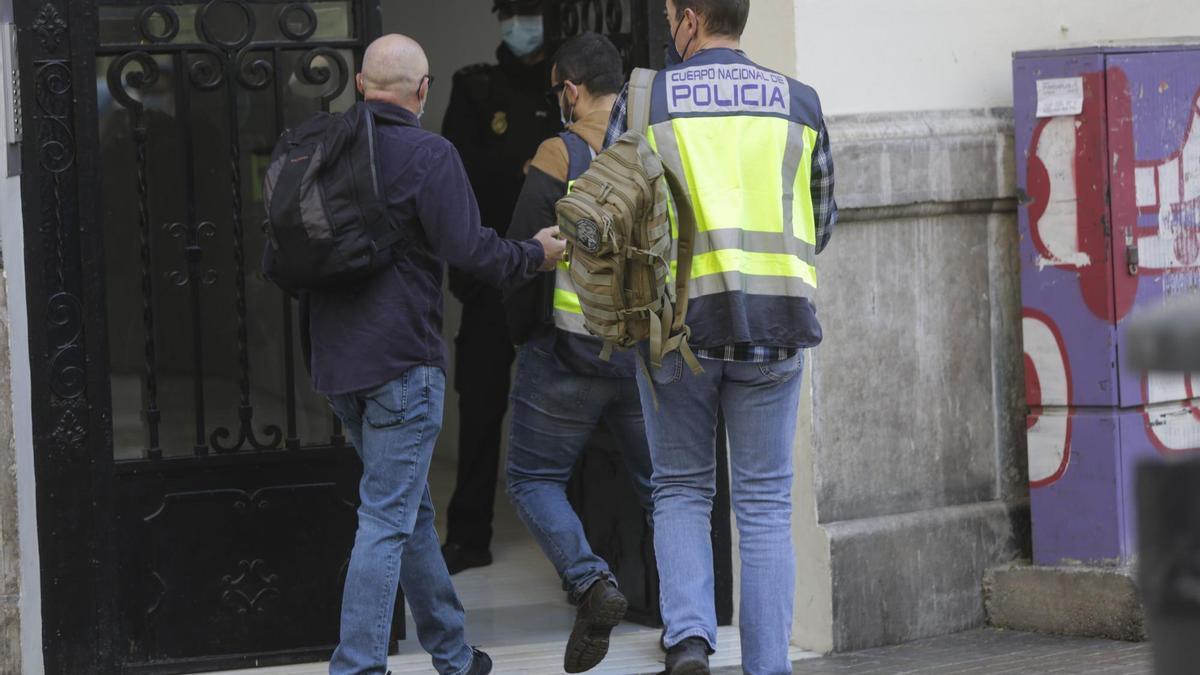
x=752 y=147
x=563 y=390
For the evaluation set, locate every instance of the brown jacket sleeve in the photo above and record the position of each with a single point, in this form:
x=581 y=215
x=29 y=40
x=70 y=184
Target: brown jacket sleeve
x=552 y=160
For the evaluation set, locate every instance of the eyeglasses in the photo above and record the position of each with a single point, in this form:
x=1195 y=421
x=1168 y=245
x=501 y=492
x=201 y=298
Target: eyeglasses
x=553 y=92
x=423 y=80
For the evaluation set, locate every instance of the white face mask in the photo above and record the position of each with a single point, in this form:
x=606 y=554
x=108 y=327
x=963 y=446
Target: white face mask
x=566 y=119
x=522 y=34
x=422 y=101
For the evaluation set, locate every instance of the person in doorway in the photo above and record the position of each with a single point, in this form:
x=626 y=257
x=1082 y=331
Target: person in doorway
x=563 y=389
x=498 y=115
x=752 y=149
x=378 y=354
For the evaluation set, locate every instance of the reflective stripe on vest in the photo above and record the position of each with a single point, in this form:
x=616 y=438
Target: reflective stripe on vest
x=756 y=232
x=568 y=315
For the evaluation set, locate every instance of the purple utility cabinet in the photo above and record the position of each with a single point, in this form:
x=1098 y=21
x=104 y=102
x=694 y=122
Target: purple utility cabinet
x=1108 y=175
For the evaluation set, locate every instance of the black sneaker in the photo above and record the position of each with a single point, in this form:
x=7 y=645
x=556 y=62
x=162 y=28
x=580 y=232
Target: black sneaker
x=459 y=558
x=689 y=657
x=481 y=663
x=600 y=610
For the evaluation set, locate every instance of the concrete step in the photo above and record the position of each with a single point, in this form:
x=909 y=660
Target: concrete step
x=631 y=653
x=1074 y=601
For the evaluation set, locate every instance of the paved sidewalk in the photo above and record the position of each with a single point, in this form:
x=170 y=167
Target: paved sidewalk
x=986 y=652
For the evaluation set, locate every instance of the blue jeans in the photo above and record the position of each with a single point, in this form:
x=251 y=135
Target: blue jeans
x=760 y=403
x=394 y=429
x=554 y=412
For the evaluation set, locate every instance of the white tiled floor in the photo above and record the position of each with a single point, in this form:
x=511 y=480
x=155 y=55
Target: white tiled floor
x=518 y=613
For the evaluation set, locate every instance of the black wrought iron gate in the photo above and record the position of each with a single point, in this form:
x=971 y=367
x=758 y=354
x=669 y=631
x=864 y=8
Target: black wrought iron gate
x=195 y=499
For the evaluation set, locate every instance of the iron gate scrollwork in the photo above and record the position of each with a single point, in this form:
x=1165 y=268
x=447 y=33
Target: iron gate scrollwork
x=636 y=27
x=225 y=49
x=66 y=392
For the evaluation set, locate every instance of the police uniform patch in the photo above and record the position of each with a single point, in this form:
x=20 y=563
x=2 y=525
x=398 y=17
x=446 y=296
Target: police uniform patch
x=500 y=123
x=726 y=89
x=587 y=235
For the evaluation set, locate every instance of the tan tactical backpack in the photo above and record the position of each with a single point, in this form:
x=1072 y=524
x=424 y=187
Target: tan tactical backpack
x=619 y=242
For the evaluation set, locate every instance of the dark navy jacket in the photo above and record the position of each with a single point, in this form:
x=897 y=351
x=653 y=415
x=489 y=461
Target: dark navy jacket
x=366 y=336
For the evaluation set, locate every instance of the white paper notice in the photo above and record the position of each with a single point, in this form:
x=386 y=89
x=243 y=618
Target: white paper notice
x=1060 y=97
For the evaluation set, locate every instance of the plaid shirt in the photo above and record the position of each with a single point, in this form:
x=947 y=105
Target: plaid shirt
x=825 y=215
x=619 y=119
x=747 y=353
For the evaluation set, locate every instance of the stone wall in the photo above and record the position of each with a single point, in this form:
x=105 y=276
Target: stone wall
x=914 y=481
x=10 y=578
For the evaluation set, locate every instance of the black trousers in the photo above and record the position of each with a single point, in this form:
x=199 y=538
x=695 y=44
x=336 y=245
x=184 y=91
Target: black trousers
x=483 y=366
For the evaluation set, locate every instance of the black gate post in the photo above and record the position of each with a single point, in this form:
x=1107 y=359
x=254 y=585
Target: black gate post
x=69 y=389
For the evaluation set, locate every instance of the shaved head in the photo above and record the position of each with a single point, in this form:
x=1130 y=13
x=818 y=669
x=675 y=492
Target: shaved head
x=393 y=69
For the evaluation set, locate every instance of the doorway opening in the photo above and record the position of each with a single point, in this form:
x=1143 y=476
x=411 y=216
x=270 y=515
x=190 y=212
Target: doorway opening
x=519 y=599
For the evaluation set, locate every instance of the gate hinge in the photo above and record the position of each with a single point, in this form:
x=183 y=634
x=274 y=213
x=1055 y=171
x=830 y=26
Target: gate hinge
x=1131 y=255
x=10 y=89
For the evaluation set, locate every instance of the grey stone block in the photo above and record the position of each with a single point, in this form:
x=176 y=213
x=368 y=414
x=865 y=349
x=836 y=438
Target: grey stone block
x=918 y=389
x=1008 y=363
x=10 y=579
x=10 y=635
x=905 y=577
x=1075 y=601
x=910 y=158
x=905 y=390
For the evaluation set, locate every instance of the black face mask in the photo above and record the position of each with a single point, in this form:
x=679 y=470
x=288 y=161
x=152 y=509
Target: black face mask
x=672 y=55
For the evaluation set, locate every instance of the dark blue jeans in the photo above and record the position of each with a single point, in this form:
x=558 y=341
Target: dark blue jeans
x=554 y=412
x=394 y=429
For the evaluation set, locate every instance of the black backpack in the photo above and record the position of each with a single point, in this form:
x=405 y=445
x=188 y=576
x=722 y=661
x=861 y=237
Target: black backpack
x=328 y=224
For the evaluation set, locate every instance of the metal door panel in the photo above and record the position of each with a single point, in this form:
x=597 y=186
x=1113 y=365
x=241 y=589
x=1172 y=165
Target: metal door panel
x=1154 y=140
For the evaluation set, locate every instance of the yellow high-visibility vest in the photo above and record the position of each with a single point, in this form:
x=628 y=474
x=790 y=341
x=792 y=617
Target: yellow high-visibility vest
x=741 y=137
x=568 y=315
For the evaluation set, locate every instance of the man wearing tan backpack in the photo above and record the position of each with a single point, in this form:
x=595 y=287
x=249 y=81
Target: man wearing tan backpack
x=748 y=154
x=563 y=390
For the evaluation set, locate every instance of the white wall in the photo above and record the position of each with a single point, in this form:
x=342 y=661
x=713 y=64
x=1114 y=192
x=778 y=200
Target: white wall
x=894 y=55
x=770 y=37
x=12 y=241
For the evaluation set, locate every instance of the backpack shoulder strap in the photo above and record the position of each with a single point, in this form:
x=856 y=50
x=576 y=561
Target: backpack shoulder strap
x=641 y=88
x=394 y=234
x=685 y=244
x=579 y=154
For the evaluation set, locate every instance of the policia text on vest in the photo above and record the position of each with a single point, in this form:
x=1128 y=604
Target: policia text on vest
x=756 y=238
x=715 y=89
